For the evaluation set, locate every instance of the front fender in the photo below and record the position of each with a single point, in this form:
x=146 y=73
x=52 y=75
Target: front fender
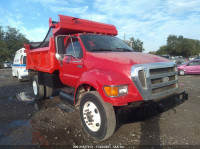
x=98 y=78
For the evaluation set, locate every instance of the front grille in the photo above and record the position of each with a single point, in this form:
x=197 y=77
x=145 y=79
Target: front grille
x=163 y=89
x=162 y=80
x=159 y=80
x=161 y=70
x=155 y=80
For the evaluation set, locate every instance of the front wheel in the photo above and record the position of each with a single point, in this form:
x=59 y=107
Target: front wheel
x=98 y=117
x=13 y=73
x=19 y=77
x=181 y=72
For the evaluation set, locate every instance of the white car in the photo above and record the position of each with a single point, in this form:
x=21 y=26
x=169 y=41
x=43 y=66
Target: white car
x=19 y=65
x=7 y=64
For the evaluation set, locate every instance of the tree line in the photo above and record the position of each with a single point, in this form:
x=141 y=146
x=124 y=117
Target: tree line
x=136 y=44
x=179 y=46
x=11 y=40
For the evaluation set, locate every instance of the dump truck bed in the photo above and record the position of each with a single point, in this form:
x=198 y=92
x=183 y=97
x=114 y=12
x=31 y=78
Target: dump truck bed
x=41 y=55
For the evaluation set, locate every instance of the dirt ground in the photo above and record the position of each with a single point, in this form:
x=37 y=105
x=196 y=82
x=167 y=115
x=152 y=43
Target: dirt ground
x=21 y=124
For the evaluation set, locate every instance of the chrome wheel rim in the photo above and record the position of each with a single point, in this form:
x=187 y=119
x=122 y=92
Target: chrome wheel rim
x=35 y=91
x=181 y=72
x=91 y=116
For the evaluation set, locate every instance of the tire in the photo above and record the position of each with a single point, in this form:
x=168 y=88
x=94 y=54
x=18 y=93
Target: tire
x=181 y=72
x=38 y=90
x=19 y=77
x=49 y=91
x=13 y=74
x=97 y=117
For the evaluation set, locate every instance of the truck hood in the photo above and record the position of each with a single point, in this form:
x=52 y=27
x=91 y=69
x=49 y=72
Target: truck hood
x=129 y=58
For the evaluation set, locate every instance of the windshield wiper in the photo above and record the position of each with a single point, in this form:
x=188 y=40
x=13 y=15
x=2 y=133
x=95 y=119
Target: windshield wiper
x=101 y=50
x=124 y=49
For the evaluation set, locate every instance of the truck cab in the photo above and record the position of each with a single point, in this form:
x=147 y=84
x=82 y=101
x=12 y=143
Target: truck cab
x=103 y=72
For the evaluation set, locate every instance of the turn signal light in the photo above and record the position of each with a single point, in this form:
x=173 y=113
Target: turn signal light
x=114 y=91
x=111 y=91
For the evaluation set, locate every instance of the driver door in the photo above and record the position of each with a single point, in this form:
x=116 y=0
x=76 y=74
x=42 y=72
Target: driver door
x=71 y=67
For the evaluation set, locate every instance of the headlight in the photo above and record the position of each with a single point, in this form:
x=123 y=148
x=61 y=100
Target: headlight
x=114 y=91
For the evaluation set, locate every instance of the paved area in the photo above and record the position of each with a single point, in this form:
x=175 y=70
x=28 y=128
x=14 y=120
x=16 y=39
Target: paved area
x=53 y=126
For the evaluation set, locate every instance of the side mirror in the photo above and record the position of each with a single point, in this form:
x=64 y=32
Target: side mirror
x=60 y=45
x=60 y=48
x=59 y=56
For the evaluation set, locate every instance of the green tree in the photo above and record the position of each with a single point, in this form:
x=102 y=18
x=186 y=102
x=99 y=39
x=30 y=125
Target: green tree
x=180 y=46
x=14 y=41
x=11 y=40
x=136 y=44
x=152 y=52
x=2 y=45
x=163 y=50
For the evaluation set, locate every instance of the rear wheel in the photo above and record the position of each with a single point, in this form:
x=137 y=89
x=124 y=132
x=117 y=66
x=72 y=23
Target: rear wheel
x=98 y=117
x=49 y=91
x=38 y=90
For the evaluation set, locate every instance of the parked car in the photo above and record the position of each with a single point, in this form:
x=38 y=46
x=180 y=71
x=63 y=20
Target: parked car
x=7 y=64
x=19 y=65
x=191 y=58
x=189 y=67
x=178 y=59
x=166 y=56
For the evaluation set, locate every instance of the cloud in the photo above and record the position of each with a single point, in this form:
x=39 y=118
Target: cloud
x=152 y=21
x=36 y=34
x=125 y=8
x=95 y=17
x=19 y=16
x=183 y=6
x=14 y=20
x=45 y=2
x=38 y=14
x=8 y=19
x=76 y=10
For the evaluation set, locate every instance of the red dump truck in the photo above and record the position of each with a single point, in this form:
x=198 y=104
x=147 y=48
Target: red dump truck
x=99 y=73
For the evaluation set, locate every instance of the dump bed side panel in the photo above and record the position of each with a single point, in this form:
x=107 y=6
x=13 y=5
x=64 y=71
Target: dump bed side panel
x=71 y=25
x=42 y=59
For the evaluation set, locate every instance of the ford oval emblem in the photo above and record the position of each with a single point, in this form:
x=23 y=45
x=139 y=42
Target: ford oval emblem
x=165 y=79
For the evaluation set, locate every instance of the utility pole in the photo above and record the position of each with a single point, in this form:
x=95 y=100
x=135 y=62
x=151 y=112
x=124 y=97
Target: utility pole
x=132 y=44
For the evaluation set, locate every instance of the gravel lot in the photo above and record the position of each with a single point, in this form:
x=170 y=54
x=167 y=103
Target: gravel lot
x=21 y=124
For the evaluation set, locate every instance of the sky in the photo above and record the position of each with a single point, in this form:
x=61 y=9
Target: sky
x=151 y=21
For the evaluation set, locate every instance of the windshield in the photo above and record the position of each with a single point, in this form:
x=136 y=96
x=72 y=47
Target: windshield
x=185 y=62
x=104 y=43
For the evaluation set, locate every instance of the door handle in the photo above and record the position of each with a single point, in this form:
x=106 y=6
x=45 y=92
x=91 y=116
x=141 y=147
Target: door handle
x=79 y=66
x=78 y=61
